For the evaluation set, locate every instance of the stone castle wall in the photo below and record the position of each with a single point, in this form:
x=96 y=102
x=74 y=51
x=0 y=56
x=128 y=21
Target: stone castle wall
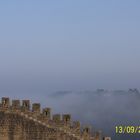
x=20 y=122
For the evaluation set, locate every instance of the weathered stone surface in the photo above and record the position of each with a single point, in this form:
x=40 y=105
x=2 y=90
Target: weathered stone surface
x=20 y=123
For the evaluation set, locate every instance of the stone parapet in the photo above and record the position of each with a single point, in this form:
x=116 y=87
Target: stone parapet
x=20 y=122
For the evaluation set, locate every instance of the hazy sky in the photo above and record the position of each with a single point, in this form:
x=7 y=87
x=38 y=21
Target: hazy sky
x=69 y=45
x=75 y=45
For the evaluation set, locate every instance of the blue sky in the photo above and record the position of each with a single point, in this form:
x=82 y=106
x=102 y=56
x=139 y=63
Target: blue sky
x=69 y=45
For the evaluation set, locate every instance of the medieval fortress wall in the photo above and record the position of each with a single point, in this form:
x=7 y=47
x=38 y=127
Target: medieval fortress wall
x=25 y=122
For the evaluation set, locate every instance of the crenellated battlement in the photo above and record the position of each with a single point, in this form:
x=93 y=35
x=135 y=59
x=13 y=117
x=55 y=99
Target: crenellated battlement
x=34 y=109
x=63 y=124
